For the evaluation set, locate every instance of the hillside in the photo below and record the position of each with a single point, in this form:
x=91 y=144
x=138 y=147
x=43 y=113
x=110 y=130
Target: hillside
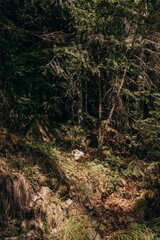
x=47 y=194
x=79 y=119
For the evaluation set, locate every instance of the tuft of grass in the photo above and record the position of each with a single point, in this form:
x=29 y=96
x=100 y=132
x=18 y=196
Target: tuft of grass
x=150 y=230
x=74 y=229
x=154 y=224
x=137 y=232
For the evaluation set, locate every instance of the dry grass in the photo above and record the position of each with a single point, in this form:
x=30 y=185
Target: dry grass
x=74 y=229
x=15 y=194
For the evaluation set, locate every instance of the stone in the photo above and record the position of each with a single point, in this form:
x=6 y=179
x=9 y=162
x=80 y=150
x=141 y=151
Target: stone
x=68 y=202
x=77 y=154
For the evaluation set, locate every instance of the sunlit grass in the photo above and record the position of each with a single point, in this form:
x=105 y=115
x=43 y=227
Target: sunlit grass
x=74 y=229
x=137 y=232
x=150 y=230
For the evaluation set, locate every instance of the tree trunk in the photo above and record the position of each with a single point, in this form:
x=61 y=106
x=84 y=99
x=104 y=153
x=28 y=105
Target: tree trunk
x=100 y=139
x=80 y=104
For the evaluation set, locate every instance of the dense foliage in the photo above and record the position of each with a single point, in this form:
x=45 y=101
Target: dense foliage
x=93 y=63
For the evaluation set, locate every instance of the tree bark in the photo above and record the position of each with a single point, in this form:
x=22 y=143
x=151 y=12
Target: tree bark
x=100 y=139
x=80 y=104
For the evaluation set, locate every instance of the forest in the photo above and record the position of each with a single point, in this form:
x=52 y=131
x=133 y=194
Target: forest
x=80 y=119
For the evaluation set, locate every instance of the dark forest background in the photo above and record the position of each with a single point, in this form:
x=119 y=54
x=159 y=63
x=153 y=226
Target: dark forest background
x=93 y=64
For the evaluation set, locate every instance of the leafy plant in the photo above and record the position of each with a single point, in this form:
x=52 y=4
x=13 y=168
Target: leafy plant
x=135 y=169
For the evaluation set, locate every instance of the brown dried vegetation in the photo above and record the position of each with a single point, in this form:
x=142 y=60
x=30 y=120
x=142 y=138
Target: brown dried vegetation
x=15 y=195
